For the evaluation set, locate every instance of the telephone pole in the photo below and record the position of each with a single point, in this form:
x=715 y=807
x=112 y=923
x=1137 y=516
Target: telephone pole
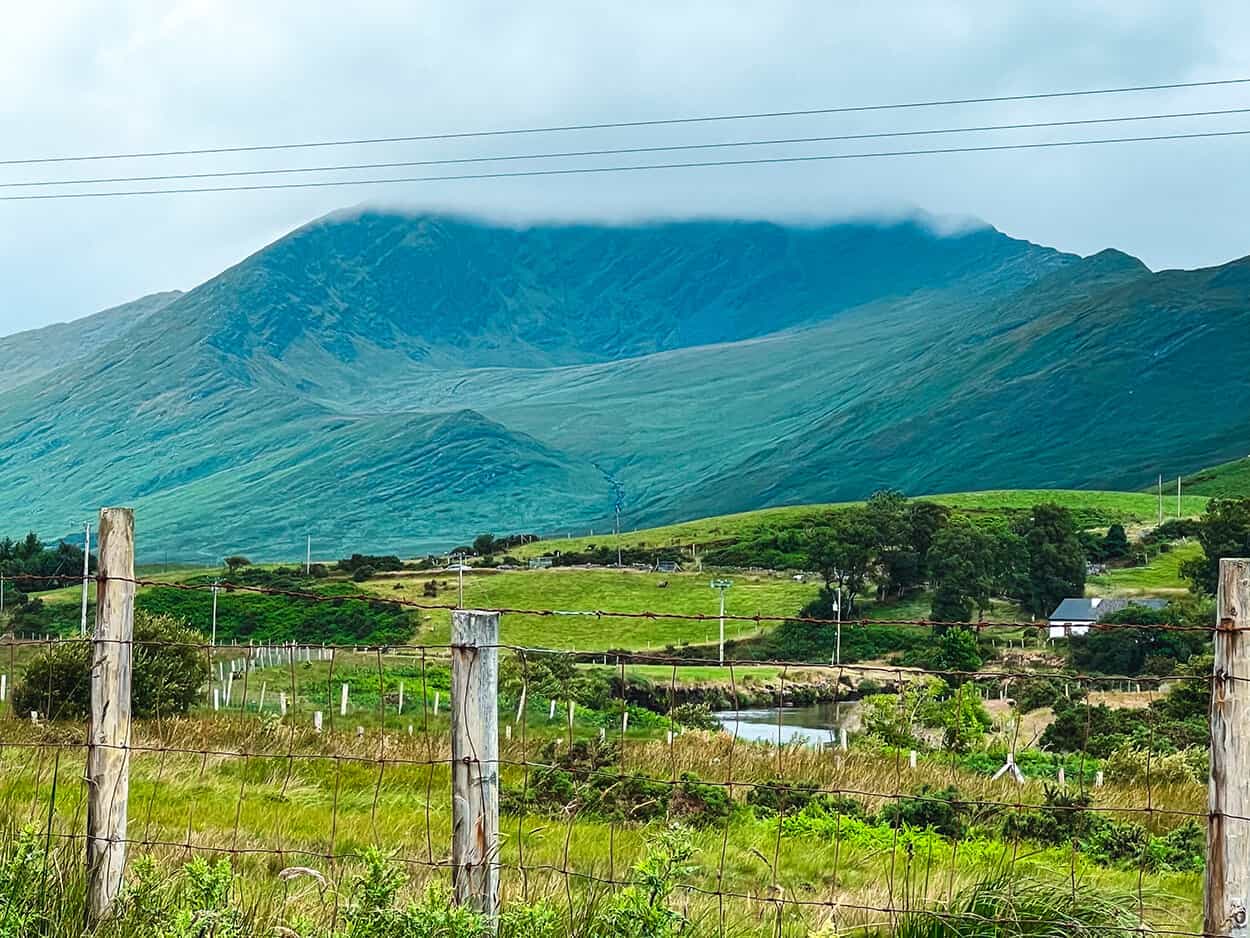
x=86 y=572
x=308 y=557
x=723 y=587
x=1178 y=497
x=1161 y=498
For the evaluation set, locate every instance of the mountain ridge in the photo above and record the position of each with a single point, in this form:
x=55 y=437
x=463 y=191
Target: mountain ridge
x=393 y=382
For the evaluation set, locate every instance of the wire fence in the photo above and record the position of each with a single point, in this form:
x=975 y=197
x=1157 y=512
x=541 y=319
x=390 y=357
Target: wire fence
x=529 y=775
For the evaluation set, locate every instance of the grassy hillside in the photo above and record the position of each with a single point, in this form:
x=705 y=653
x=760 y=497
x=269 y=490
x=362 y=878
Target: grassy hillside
x=1093 y=509
x=1227 y=480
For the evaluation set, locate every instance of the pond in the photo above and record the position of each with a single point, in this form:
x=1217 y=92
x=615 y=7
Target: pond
x=815 y=725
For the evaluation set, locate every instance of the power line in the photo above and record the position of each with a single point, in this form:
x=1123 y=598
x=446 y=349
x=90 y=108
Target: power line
x=608 y=125
x=619 y=151
x=590 y=170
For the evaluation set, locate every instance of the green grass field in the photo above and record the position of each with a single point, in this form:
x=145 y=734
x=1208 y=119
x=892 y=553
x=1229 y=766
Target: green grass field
x=276 y=796
x=612 y=590
x=1105 y=507
x=1159 y=577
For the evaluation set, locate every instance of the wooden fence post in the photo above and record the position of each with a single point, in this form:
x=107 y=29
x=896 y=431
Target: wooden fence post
x=475 y=759
x=108 y=736
x=1228 y=836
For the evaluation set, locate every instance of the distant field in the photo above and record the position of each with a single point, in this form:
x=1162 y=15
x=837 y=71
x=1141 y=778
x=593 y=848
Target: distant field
x=1161 y=575
x=1095 y=507
x=1228 y=480
x=615 y=590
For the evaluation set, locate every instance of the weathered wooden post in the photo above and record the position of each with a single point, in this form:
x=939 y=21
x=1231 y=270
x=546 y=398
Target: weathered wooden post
x=108 y=734
x=1228 y=834
x=475 y=759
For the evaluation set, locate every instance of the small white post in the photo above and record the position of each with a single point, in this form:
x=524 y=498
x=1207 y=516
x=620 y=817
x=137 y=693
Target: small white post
x=551 y=713
x=1063 y=779
x=911 y=760
x=216 y=698
x=317 y=721
x=4 y=687
x=229 y=687
x=261 y=705
x=437 y=695
x=520 y=707
x=625 y=722
x=842 y=739
x=507 y=732
x=1098 y=779
x=572 y=708
x=401 y=698
x=282 y=703
x=34 y=717
x=343 y=701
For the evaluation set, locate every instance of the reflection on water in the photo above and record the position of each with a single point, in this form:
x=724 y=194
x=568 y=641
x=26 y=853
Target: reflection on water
x=816 y=725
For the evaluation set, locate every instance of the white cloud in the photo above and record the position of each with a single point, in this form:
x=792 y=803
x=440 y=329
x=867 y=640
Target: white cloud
x=104 y=77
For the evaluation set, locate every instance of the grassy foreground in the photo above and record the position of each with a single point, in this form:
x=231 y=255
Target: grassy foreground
x=275 y=797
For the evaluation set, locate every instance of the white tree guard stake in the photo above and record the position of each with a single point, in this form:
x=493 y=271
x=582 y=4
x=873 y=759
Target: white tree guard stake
x=317 y=721
x=1227 y=887
x=401 y=698
x=551 y=712
x=1098 y=779
x=572 y=710
x=507 y=732
x=4 y=687
x=911 y=760
x=108 y=733
x=843 y=742
x=261 y=705
x=216 y=699
x=1063 y=779
x=1010 y=766
x=475 y=759
x=437 y=696
x=343 y=701
x=282 y=703
x=624 y=722
x=229 y=685
x=520 y=707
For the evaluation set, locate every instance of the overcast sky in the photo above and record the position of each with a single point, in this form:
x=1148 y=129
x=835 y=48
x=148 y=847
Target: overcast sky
x=125 y=75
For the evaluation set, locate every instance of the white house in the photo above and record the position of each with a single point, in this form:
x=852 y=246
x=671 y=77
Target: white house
x=1075 y=616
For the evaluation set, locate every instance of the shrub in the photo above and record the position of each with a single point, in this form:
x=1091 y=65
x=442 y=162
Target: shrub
x=1139 y=766
x=22 y=869
x=169 y=667
x=929 y=808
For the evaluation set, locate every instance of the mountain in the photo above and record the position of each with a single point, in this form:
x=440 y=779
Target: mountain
x=27 y=356
x=385 y=381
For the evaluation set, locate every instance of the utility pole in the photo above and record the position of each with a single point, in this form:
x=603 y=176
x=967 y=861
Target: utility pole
x=308 y=557
x=86 y=557
x=459 y=559
x=213 y=639
x=1178 y=497
x=837 y=641
x=1161 y=498
x=723 y=587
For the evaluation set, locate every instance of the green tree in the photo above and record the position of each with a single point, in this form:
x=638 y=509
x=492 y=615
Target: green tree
x=484 y=545
x=236 y=562
x=1115 y=544
x=1056 y=561
x=1224 y=531
x=962 y=563
x=842 y=551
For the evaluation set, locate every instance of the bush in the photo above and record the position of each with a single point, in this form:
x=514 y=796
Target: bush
x=935 y=809
x=362 y=573
x=1139 y=766
x=169 y=668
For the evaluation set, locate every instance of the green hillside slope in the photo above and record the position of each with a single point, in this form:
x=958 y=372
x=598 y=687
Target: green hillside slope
x=1227 y=480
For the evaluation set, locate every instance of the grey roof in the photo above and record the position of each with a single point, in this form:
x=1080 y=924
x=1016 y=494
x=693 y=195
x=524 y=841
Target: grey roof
x=1085 y=610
